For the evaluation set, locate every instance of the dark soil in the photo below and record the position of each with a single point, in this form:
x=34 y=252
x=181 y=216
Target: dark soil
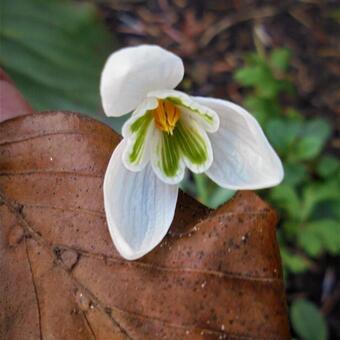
x=212 y=38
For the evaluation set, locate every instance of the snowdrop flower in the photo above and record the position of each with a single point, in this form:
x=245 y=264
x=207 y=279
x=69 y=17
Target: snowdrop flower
x=168 y=132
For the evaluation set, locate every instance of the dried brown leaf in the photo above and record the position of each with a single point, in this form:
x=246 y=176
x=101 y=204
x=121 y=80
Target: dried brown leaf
x=216 y=275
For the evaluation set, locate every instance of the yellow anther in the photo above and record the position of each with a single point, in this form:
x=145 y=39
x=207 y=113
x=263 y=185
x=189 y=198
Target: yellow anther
x=166 y=116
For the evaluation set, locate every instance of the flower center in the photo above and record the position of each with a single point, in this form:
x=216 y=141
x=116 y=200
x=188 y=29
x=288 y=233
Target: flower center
x=166 y=115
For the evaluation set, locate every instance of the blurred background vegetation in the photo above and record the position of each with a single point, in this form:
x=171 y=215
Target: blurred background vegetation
x=280 y=60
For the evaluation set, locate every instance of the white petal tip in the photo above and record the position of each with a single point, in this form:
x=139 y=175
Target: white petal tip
x=139 y=207
x=127 y=252
x=243 y=157
x=130 y=73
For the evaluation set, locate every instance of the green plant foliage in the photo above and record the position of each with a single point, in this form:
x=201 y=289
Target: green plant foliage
x=328 y=166
x=54 y=50
x=286 y=197
x=294 y=263
x=312 y=139
x=320 y=235
x=266 y=79
x=295 y=173
x=284 y=133
x=309 y=197
x=307 y=321
x=208 y=192
x=280 y=59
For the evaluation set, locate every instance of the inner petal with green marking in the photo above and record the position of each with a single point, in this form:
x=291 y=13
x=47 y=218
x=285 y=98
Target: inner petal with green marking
x=135 y=156
x=194 y=145
x=187 y=145
x=170 y=137
x=204 y=115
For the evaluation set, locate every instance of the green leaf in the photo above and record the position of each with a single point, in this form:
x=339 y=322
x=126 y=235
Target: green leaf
x=282 y=133
x=295 y=173
x=293 y=263
x=253 y=59
x=285 y=198
x=259 y=75
x=251 y=75
x=291 y=228
x=313 y=138
x=188 y=186
x=318 y=128
x=261 y=78
x=327 y=232
x=262 y=108
x=285 y=86
x=209 y=193
x=316 y=193
x=55 y=50
x=220 y=196
x=310 y=242
x=327 y=166
x=307 y=148
x=280 y=58
x=269 y=87
x=307 y=321
x=292 y=113
x=334 y=207
x=201 y=181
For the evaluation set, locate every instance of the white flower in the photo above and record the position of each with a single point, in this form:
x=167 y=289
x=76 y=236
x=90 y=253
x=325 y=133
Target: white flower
x=167 y=132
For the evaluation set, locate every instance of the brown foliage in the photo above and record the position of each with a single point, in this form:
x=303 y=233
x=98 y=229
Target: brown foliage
x=216 y=275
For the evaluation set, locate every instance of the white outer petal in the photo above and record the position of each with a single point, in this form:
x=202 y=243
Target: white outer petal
x=243 y=157
x=139 y=207
x=130 y=73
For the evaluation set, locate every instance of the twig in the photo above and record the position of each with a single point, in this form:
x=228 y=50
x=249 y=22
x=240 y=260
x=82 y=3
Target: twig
x=226 y=23
x=331 y=301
